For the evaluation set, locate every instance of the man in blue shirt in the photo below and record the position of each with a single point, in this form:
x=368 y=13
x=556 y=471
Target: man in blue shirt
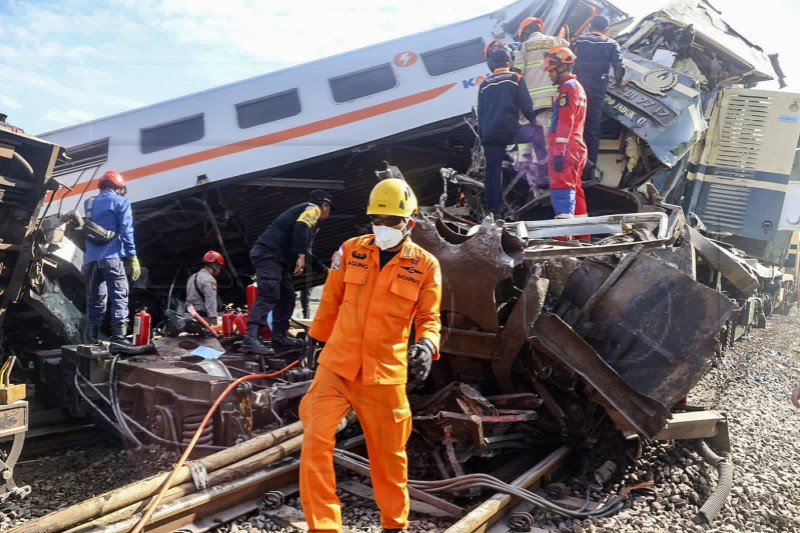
x=501 y=98
x=109 y=250
x=596 y=53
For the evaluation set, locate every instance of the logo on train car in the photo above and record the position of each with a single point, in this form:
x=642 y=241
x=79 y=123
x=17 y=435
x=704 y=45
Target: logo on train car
x=657 y=82
x=472 y=82
x=404 y=59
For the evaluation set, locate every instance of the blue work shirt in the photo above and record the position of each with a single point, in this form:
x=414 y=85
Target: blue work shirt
x=113 y=212
x=595 y=54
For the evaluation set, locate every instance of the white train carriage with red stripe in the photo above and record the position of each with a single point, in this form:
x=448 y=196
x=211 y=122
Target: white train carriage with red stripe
x=343 y=102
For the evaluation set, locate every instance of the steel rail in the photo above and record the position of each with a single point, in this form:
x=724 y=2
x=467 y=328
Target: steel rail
x=494 y=508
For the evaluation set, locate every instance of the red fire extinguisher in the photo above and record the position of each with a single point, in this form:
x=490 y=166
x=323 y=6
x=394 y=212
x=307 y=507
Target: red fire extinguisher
x=227 y=322
x=240 y=323
x=252 y=293
x=141 y=328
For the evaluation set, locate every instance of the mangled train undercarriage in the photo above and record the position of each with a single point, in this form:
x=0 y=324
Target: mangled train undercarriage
x=543 y=341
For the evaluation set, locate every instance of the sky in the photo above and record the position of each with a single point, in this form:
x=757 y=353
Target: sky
x=64 y=62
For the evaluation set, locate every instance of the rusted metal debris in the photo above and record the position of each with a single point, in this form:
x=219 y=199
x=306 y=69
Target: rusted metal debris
x=470 y=425
x=163 y=396
x=611 y=322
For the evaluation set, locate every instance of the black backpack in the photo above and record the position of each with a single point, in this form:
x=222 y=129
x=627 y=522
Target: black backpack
x=93 y=232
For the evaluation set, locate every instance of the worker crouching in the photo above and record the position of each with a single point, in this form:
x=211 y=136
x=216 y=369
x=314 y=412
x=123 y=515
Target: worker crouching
x=377 y=286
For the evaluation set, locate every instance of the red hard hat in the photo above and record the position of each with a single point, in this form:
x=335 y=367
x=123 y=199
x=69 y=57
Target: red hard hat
x=113 y=177
x=527 y=22
x=214 y=257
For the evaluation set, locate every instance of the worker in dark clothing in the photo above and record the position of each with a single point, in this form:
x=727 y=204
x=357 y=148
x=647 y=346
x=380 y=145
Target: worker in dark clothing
x=201 y=287
x=596 y=54
x=278 y=255
x=501 y=98
x=110 y=257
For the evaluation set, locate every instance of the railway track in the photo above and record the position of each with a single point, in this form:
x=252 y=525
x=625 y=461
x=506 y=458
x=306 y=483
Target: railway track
x=263 y=472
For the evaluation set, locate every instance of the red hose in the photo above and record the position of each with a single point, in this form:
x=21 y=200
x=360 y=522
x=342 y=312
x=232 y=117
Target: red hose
x=151 y=507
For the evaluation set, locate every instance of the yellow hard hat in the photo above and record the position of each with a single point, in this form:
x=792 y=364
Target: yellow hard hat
x=392 y=197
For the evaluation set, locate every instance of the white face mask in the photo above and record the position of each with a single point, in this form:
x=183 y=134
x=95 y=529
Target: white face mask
x=386 y=237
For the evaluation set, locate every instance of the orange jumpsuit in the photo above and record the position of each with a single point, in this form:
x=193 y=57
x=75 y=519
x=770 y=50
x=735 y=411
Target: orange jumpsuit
x=365 y=318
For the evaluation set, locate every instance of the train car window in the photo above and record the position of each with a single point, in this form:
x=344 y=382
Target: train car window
x=268 y=109
x=171 y=134
x=454 y=57
x=83 y=156
x=362 y=83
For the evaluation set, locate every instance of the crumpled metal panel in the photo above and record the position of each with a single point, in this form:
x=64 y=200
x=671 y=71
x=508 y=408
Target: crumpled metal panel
x=654 y=325
x=465 y=260
x=668 y=117
x=517 y=328
x=628 y=408
x=735 y=270
x=476 y=325
x=718 y=38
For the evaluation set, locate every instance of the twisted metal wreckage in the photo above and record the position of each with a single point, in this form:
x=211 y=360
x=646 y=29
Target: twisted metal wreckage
x=545 y=341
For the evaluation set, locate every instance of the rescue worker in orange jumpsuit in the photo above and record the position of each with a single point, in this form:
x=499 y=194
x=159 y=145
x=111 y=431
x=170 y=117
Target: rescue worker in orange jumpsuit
x=377 y=286
x=566 y=148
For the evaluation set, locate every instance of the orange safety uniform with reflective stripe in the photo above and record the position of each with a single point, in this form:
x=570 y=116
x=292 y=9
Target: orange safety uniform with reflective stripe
x=365 y=317
x=365 y=313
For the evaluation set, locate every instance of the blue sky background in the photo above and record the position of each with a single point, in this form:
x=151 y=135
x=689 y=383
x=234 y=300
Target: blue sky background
x=69 y=61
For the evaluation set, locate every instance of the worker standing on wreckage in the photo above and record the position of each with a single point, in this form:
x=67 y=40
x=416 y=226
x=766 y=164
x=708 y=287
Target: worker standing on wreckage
x=596 y=53
x=377 y=286
x=501 y=98
x=529 y=61
x=566 y=149
x=110 y=257
x=279 y=254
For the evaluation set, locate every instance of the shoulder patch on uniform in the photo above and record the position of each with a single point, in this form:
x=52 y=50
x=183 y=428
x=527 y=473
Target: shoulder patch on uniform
x=310 y=216
x=336 y=260
x=437 y=275
x=563 y=100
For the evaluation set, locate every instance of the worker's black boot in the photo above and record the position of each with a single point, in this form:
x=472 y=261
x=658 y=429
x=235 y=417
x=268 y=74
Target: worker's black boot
x=284 y=342
x=119 y=334
x=252 y=344
x=93 y=336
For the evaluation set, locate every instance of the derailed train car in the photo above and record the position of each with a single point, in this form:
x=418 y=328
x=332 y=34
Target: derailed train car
x=544 y=340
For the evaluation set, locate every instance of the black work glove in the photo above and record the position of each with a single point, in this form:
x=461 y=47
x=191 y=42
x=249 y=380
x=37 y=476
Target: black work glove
x=558 y=163
x=420 y=358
